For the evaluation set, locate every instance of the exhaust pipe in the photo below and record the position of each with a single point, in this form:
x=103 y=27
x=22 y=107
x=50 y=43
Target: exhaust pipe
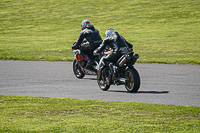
x=134 y=59
x=128 y=58
x=124 y=60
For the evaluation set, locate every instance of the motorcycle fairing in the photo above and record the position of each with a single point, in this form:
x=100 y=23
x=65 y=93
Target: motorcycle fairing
x=80 y=57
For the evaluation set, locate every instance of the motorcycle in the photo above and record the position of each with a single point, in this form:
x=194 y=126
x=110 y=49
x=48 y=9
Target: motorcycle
x=81 y=66
x=120 y=73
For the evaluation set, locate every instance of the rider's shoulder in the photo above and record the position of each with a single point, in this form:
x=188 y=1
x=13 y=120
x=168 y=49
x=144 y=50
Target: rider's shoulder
x=111 y=37
x=108 y=39
x=83 y=31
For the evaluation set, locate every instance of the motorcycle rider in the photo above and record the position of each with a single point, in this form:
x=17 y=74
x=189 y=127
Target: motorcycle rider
x=91 y=35
x=117 y=43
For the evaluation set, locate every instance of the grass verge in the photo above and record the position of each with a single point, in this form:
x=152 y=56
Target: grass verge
x=161 y=31
x=43 y=114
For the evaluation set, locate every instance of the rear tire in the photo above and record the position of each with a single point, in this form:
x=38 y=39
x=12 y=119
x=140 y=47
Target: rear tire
x=102 y=80
x=133 y=83
x=78 y=72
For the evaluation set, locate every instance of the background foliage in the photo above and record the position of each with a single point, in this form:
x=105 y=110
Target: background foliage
x=161 y=31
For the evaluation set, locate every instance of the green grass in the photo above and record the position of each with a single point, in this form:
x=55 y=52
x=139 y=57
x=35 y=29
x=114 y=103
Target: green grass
x=162 y=31
x=42 y=114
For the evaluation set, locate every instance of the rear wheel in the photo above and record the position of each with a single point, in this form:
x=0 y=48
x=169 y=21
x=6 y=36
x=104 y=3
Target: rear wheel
x=102 y=79
x=133 y=82
x=78 y=72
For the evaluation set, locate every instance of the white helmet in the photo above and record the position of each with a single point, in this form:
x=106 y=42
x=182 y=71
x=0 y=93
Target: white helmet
x=109 y=32
x=84 y=24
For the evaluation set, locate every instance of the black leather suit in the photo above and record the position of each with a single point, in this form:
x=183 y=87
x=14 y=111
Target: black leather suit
x=92 y=36
x=114 y=41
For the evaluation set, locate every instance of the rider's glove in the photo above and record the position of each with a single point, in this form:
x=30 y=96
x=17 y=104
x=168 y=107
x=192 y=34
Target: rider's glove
x=73 y=47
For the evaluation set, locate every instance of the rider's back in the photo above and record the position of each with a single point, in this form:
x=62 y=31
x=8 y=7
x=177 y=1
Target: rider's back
x=92 y=36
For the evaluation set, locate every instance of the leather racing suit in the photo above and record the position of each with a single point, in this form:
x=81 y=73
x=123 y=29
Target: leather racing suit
x=115 y=42
x=92 y=36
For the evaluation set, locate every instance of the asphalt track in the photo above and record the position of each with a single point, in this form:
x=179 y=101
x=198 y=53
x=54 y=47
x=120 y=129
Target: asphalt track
x=169 y=84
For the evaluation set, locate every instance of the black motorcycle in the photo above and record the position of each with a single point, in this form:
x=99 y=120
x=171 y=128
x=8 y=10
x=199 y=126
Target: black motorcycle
x=121 y=73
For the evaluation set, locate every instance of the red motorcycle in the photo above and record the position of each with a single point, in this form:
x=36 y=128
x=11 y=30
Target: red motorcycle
x=81 y=66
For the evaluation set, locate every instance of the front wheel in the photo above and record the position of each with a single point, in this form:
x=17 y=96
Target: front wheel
x=102 y=79
x=133 y=82
x=78 y=72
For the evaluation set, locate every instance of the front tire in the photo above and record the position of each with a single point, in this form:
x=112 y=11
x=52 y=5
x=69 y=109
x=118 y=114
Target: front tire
x=78 y=72
x=133 y=83
x=102 y=79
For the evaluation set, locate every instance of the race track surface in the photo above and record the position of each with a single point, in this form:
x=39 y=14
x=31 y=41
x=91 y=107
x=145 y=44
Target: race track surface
x=160 y=83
